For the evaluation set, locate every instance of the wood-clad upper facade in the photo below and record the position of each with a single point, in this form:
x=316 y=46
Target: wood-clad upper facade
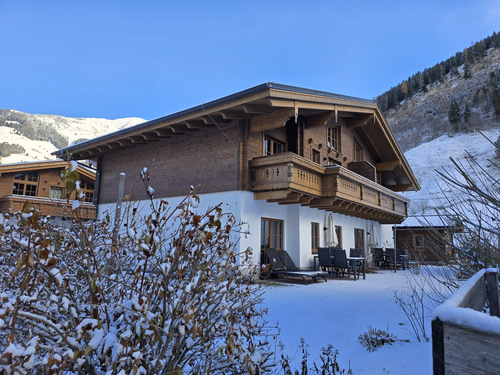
x=40 y=184
x=286 y=144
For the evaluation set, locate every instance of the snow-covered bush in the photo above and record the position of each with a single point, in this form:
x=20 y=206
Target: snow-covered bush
x=376 y=338
x=169 y=296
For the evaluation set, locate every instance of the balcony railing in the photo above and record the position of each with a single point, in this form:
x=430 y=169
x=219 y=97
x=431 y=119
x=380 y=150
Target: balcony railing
x=46 y=206
x=276 y=177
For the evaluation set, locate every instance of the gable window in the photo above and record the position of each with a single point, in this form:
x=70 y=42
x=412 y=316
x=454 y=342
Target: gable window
x=359 y=238
x=338 y=232
x=334 y=137
x=315 y=156
x=272 y=146
x=56 y=192
x=271 y=234
x=314 y=237
x=358 y=152
x=28 y=186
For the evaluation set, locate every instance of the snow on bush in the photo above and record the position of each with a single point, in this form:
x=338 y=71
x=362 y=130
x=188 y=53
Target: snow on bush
x=169 y=296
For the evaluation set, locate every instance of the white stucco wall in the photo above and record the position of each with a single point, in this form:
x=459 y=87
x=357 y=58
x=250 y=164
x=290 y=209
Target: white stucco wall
x=297 y=221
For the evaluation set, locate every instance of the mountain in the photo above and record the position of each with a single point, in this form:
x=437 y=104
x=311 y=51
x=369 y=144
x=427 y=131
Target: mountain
x=421 y=108
x=28 y=137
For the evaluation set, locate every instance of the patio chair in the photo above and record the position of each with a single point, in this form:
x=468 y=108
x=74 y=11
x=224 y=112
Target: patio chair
x=325 y=260
x=378 y=257
x=282 y=265
x=400 y=261
x=342 y=264
x=357 y=253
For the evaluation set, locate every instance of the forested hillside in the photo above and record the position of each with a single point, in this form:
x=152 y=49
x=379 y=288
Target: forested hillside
x=456 y=96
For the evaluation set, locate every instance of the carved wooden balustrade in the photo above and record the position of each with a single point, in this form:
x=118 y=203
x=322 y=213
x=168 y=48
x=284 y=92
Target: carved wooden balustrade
x=288 y=178
x=56 y=208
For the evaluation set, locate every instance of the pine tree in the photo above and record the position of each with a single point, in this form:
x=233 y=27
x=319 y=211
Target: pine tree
x=467 y=113
x=454 y=115
x=467 y=73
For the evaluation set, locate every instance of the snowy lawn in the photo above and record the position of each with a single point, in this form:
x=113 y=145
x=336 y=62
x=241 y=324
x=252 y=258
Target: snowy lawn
x=337 y=312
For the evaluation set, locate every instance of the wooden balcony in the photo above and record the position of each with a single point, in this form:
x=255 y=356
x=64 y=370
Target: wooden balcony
x=47 y=207
x=291 y=179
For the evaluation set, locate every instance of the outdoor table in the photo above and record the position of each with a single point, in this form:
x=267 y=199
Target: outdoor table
x=356 y=260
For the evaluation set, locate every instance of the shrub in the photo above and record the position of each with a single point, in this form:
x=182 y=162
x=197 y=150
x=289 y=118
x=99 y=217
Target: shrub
x=376 y=338
x=168 y=297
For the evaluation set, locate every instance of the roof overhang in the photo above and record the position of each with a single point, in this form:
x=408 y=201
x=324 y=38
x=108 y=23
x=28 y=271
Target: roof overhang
x=266 y=107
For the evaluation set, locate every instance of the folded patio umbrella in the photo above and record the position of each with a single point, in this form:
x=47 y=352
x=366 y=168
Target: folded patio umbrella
x=331 y=236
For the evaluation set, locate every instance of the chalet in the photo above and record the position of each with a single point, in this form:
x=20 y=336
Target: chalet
x=427 y=238
x=282 y=158
x=40 y=183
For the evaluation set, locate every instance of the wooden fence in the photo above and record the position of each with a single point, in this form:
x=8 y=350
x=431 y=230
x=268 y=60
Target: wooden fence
x=464 y=339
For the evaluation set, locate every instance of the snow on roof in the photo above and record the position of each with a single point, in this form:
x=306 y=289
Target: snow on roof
x=427 y=221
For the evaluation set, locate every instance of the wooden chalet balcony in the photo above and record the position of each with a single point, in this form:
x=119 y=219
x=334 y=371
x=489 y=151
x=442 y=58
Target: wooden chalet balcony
x=291 y=179
x=56 y=208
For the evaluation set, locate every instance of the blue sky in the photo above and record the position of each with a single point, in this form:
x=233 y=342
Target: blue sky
x=148 y=59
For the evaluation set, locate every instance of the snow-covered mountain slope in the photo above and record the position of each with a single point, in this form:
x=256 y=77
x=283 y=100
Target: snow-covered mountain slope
x=23 y=129
x=435 y=155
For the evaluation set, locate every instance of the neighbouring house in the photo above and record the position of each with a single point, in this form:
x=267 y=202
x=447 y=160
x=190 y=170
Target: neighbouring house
x=40 y=183
x=281 y=157
x=427 y=238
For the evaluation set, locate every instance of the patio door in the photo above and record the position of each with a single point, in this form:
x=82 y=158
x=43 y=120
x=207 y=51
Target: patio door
x=359 y=239
x=271 y=234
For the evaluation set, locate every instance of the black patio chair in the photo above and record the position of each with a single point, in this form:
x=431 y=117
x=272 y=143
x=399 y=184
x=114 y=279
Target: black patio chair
x=325 y=260
x=399 y=260
x=282 y=265
x=356 y=253
x=342 y=265
x=378 y=257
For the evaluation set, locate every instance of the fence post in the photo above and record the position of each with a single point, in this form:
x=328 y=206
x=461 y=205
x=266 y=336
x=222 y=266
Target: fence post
x=492 y=284
x=118 y=211
x=437 y=347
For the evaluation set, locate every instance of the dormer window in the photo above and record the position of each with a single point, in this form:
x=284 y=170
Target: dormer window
x=273 y=146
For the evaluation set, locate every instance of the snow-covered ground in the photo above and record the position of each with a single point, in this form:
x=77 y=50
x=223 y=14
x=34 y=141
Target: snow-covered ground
x=338 y=311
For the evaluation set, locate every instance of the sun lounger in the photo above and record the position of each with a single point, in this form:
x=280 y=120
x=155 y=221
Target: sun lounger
x=282 y=265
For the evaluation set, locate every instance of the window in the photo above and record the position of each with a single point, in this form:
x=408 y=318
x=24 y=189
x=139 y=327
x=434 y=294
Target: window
x=56 y=192
x=358 y=152
x=28 y=186
x=88 y=189
x=271 y=234
x=314 y=237
x=272 y=146
x=418 y=240
x=359 y=238
x=338 y=231
x=334 y=137
x=315 y=156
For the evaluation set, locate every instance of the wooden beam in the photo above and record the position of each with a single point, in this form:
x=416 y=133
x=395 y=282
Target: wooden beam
x=321 y=202
x=270 y=121
x=150 y=136
x=164 y=132
x=256 y=109
x=137 y=139
x=287 y=103
x=318 y=120
x=386 y=165
x=182 y=128
x=293 y=197
x=363 y=120
x=279 y=194
x=115 y=146
x=126 y=142
x=304 y=200
x=196 y=124
x=234 y=115
x=214 y=120
x=401 y=187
